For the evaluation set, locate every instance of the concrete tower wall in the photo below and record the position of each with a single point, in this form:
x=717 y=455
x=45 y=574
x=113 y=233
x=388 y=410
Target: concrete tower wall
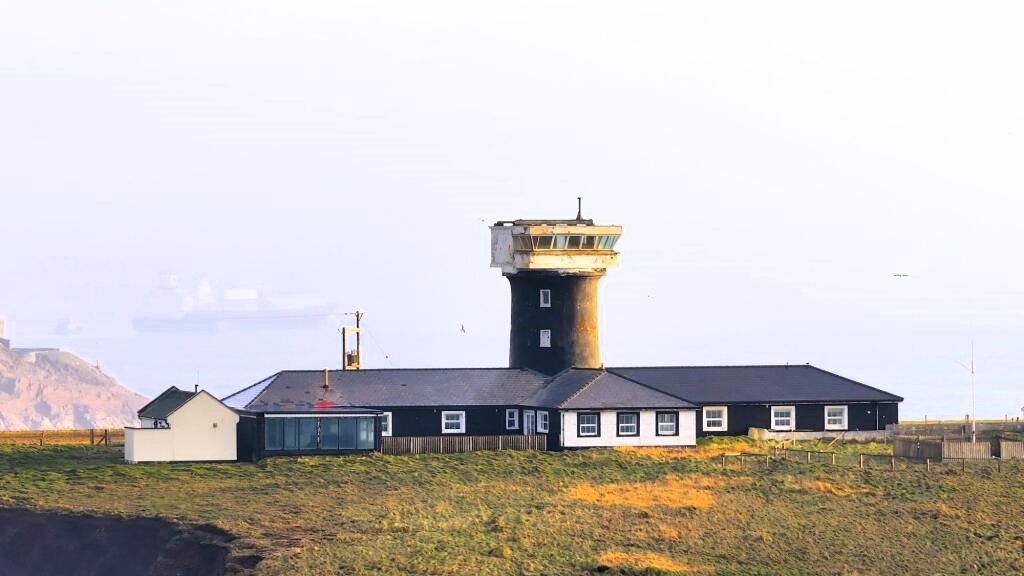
x=571 y=318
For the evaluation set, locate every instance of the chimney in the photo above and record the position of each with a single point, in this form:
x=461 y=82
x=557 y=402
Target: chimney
x=326 y=381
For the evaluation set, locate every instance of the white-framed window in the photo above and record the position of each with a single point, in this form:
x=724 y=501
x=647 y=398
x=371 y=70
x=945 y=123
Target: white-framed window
x=783 y=418
x=588 y=424
x=716 y=418
x=545 y=298
x=511 y=419
x=453 y=422
x=543 y=421
x=385 y=424
x=545 y=338
x=668 y=424
x=628 y=423
x=835 y=417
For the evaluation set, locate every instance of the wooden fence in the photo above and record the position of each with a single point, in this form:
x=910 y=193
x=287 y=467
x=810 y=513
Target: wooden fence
x=914 y=448
x=941 y=450
x=966 y=450
x=89 y=436
x=446 y=444
x=1011 y=450
x=779 y=456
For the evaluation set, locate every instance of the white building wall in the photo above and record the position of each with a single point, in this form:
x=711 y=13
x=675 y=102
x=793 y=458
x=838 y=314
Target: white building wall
x=648 y=430
x=202 y=429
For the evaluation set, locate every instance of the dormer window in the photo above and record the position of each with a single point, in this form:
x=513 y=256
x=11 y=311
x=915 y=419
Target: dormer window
x=545 y=298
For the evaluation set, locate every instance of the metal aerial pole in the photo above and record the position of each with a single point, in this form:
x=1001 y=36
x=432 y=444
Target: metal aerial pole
x=974 y=418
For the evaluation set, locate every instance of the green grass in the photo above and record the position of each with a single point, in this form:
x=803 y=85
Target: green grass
x=497 y=513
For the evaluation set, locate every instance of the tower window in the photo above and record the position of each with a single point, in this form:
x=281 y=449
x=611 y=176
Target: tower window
x=545 y=298
x=545 y=338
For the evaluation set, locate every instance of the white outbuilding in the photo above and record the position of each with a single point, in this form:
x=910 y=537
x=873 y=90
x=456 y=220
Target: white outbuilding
x=179 y=425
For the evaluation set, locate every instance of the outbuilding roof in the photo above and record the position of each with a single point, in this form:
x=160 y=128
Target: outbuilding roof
x=755 y=384
x=163 y=405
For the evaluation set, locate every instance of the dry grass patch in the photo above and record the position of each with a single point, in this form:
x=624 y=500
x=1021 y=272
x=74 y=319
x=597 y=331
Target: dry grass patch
x=672 y=491
x=666 y=532
x=672 y=453
x=643 y=561
x=824 y=486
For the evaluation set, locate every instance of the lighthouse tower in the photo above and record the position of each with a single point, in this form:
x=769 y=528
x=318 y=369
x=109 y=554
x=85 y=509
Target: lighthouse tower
x=553 y=267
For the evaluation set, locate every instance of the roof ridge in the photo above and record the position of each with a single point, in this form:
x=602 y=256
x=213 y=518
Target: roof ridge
x=250 y=386
x=599 y=372
x=439 y=369
x=272 y=379
x=157 y=397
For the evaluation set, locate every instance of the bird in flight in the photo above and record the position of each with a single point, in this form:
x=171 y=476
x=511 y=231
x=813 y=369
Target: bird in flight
x=463 y=328
x=901 y=275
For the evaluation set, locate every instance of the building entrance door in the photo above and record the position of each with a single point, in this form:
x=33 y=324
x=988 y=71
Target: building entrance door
x=529 y=422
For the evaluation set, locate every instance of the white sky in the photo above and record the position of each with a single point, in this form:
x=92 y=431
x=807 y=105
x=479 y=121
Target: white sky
x=773 y=165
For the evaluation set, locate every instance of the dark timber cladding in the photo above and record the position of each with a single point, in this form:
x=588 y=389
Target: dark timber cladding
x=571 y=319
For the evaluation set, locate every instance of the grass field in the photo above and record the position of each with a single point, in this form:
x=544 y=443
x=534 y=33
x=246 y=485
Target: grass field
x=611 y=511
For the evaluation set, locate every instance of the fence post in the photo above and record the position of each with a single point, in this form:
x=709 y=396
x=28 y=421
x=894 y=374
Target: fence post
x=963 y=464
x=928 y=464
x=766 y=461
x=833 y=458
x=861 y=461
x=92 y=436
x=723 y=460
x=808 y=456
x=40 y=437
x=892 y=463
x=106 y=437
x=999 y=465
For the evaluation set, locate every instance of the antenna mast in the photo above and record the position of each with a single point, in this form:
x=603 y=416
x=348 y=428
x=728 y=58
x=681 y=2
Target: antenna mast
x=351 y=360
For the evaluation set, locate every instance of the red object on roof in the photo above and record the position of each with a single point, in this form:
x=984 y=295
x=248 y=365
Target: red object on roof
x=324 y=404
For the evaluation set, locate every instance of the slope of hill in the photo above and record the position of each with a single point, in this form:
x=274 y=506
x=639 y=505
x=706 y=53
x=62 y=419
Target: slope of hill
x=591 y=512
x=42 y=389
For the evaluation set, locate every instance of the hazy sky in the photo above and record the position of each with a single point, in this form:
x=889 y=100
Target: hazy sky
x=167 y=168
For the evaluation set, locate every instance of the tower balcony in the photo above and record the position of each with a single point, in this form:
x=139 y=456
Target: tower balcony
x=572 y=246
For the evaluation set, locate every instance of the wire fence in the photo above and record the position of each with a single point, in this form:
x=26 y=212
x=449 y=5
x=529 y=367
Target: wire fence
x=88 y=436
x=866 y=461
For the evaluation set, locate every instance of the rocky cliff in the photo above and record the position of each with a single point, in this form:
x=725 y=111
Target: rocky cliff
x=55 y=389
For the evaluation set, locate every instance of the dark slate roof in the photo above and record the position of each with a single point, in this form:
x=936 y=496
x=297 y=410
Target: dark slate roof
x=613 y=391
x=588 y=388
x=298 y=390
x=755 y=384
x=163 y=405
x=563 y=386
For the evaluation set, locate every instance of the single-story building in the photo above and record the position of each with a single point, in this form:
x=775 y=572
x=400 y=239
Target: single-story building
x=344 y=411
x=180 y=425
x=801 y=397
